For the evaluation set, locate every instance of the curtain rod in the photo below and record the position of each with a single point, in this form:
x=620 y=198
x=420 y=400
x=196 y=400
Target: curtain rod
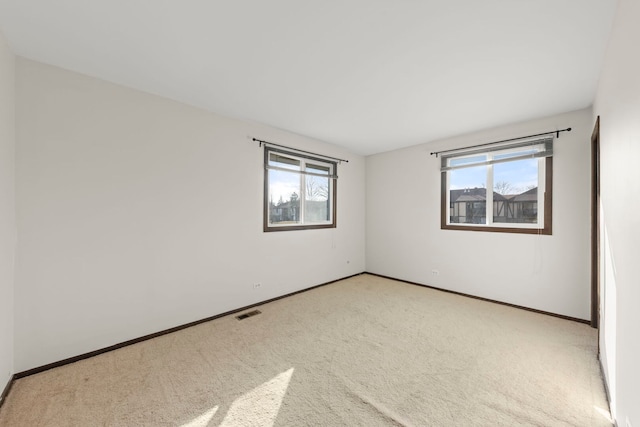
x=557 y=132
x=298 y=150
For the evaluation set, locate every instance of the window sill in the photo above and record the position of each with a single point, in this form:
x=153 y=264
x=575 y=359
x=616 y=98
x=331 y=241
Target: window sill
x=298 y=227
x=540 y=231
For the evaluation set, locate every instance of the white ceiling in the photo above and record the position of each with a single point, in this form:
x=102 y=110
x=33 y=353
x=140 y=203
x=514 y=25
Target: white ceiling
x=369 y=75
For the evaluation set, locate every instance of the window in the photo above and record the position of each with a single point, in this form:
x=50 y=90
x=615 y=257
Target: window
x=299 y=191
x=520 y=176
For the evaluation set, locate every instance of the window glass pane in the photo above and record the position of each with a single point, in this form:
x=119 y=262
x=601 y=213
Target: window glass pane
x=318 y=169
x=515 y=153
x=299 y=191
x=280 y=161
x=515 y=186
x=284 y=197
x=515 y=200
x=460 y=161
x=317 y=208
x=468 y=195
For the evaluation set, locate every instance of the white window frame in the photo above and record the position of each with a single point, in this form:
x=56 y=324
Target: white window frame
x=303 y=224
x=544 y=154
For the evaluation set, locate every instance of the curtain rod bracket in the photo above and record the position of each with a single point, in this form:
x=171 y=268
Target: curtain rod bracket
x=558 y=132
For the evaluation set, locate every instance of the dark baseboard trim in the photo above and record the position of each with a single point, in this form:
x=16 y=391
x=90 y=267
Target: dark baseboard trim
x=160 y=333
x=561 y=316
x=208 y=319
x=6 y=390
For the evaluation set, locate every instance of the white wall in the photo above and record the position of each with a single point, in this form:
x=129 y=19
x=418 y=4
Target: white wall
x=618 y=105
x=137 y=214
x=549 y=273
x=7 y=210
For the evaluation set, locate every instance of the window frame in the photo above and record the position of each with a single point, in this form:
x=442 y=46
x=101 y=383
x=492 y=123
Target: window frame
x=547 y=211
x=333 y=187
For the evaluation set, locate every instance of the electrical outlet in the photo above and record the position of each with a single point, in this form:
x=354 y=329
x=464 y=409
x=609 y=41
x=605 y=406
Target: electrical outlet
x=257 y=285
x=435 y=273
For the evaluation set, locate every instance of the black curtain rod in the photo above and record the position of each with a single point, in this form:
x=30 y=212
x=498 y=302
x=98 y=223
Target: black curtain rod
x=298 y=150
x=557 y=132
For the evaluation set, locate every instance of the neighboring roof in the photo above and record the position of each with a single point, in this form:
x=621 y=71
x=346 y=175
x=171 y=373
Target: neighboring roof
x=469 y=198
x=480 y=194
x=468 y=195
x=527 y=196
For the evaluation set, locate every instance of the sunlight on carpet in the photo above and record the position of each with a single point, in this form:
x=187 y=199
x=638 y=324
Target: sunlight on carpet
x=365 y=351
x=260 y=406
x=604 y=412
x=202 y=420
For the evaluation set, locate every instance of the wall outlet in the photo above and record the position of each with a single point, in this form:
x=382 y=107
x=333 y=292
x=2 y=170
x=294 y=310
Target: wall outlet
x=435 y=272
x=257 y=285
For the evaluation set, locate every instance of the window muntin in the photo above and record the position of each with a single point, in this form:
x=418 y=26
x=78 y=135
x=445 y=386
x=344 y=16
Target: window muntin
x=520 y=176
x=299 y=191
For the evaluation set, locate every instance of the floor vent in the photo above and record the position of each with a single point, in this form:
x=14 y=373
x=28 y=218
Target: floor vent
x=249 y=314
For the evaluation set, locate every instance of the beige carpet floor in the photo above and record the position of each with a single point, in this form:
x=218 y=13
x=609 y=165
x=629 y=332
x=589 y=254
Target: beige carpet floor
x=365 y=351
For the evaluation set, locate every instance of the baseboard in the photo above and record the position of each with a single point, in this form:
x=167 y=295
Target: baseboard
x=158 y=334
x=561 y=316
x=6 y=390
x=208 y=319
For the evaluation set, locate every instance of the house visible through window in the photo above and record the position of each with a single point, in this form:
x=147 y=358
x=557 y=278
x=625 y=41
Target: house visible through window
x=519 y=177
x=300 y=191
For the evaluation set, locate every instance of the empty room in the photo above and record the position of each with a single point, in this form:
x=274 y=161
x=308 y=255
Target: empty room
x=292 y=213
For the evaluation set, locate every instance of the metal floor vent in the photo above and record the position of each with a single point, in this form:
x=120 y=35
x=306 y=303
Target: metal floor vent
x=249 y=314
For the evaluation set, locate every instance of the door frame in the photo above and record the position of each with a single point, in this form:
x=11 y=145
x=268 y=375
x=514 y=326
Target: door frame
x=595 y=225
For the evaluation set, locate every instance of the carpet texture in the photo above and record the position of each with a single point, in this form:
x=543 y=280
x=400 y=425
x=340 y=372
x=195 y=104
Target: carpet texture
x=365 y=351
